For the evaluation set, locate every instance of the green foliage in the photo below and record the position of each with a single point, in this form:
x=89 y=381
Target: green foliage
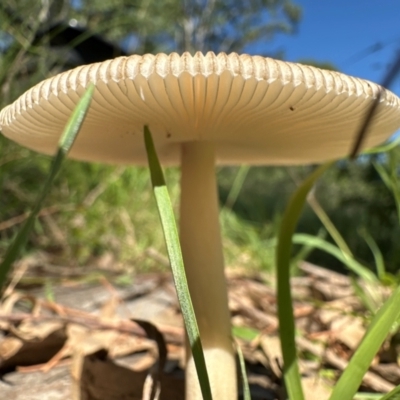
x=190 y=26
x=353 y=195
x=246 y=244
x=379 y=327
x=140 y=27
x=318 y=64
x=100 y=208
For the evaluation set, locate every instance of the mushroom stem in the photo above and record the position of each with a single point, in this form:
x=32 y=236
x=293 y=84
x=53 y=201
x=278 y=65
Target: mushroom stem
x=204 y=264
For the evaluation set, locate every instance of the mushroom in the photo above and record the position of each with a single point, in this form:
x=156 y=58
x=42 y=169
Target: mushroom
x=204 y=110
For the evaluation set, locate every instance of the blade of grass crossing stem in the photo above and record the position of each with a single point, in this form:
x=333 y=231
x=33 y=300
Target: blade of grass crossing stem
x=64 y=145
x=285 y=308
x=245 y=382
x=175 y=256
x=377 y=331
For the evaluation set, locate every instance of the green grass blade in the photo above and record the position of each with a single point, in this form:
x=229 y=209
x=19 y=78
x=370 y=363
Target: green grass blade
x=156 y=173
x=305 y=251
x=237 y=186
x=352 y=264
x=394 y=176
x=67 y=140
x=175 y=256
x=285 y=307
x=390 y=178
x=366 y=298
x=384 y=147
x=376 y=252
x=392 y=395
x=383 y=174
x=245 y=333
x=245 y=382
x=329 y=225
x=370 y=396
x=380 y=326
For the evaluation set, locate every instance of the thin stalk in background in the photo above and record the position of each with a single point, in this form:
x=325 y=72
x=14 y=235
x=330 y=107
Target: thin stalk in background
x=390 y=177
x=328 y=224
x=245 y=382
x=376 y=252
x=237 y=186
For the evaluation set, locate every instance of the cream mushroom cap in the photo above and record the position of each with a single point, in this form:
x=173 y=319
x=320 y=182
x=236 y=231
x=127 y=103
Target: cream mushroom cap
x=256 y=110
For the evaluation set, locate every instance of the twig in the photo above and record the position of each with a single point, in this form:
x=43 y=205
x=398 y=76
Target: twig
x=172 y=335
x=22 y=217
x=101 y=187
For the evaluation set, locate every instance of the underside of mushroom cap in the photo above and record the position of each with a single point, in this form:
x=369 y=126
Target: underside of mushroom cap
x=256 y=110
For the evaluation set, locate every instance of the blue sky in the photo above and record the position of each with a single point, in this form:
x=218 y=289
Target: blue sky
x=341 y=31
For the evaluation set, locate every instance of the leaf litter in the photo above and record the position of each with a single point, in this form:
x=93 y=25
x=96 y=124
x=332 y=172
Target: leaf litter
x=103 y=341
